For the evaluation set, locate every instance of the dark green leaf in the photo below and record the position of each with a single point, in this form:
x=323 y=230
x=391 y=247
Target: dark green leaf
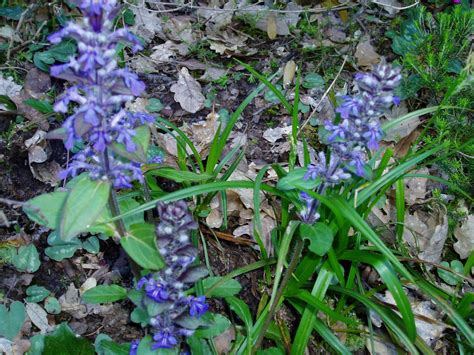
x=313 y=80
x=9 y=104
x=46 y=209
x=52 y=306
x=27 y=259
x=111 y=348
x=242 y=310
x=216 y=324
x=141 y=140
x=179 y=175
x=40 y=105
x=140 y=245
x=91 y=244
x=140 y=316
x=63 y=341
x=145 y=348
x=11 y=320
x=36 y=293
x=104 y=294
x=154 y=105
x=320 y=237
x=449 y=277
x=83 y=205
x=296 y=178
x=213 y=287
x=60 y=249
x=11 y=12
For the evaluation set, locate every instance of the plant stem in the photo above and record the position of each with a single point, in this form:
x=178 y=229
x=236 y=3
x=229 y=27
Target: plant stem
x=115 y=211
x=289 y=271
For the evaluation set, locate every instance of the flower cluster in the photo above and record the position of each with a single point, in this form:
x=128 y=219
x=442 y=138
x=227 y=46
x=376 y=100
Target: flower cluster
x=173 y=314
x=357 y=131
x=100 y=89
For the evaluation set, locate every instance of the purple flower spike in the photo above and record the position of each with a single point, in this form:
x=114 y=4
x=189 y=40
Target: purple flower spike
x=357 y=132
x=134 y=347
x=100 y=91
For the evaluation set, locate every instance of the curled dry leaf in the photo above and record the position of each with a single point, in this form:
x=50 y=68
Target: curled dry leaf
x=8 y=88
x=365 y=54
x=289 y=72
x=38 y=316
x=271 y=26
x=187 y=91
x=426 y=233
x=415 y=188
x=71 y=303
x=37 y=83
x=465 y=238
x=147 y=23
x=274 y=134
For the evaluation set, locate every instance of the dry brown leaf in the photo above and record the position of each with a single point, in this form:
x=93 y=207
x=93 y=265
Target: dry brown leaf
x=415 y=188
x=274 y=134
x=38 y=316
x=426 y=233
x=147 y=23
x=180 y=29
x=37 y=83
x=271 y=26
x=365 y=54
x=465 y=238
x=71 y=303
x=289 y=72
x=187 y=91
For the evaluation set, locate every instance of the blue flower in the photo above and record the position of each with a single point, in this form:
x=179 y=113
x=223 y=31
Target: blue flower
x=164 y=339
x=197 y=306
x=134 y=347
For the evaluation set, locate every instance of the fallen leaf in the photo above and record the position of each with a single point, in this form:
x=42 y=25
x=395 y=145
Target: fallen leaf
x=163 y=52
x=391 y=6
x=365 y=54
x=187 y=91
x=259 y=16
x=426 y=233
x=147 y=23
x=215 y=19
x=271 y=26
x=289 y=72
x=180 y=29
x=71 y=303
x=465 y=238
x=9 y=33
x=274 y=134
x=90 y=282
x=415 y=188
x=8 y=88
x=38 y=316
x=37 y=83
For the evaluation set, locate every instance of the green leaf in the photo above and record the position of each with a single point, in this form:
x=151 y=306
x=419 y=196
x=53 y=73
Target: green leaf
x=7 y=103
x=40 y=105
x=154 y=105
x=213 y=287
x=91 y=244
x=271 y=351
x=60 y=249
x=11 y=12
x=198 y=346
x=145 y=348
x=179 y=175
x=217 y=324
x=140 y=245
x=296 y=178
x=11 y=320
x=52 y=306
x=36 y=293
x=140 y=316
x=27 y=259
x=60 y=52
x=242 y=310
x=320 y=237
x=142 y=142
x=313 y=80
x=270 y=96
x=104 y=294
x=110 y=347
x=46 y=209
x=63 y=341
x=37 y=345
x=83 y=205
x=449 y=277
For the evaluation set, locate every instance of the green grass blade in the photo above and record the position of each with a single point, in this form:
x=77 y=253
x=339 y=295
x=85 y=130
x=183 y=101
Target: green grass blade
x=272 y=87
x=400 y=207
x=408 y=117
x=391 y=281
x=390 y=319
